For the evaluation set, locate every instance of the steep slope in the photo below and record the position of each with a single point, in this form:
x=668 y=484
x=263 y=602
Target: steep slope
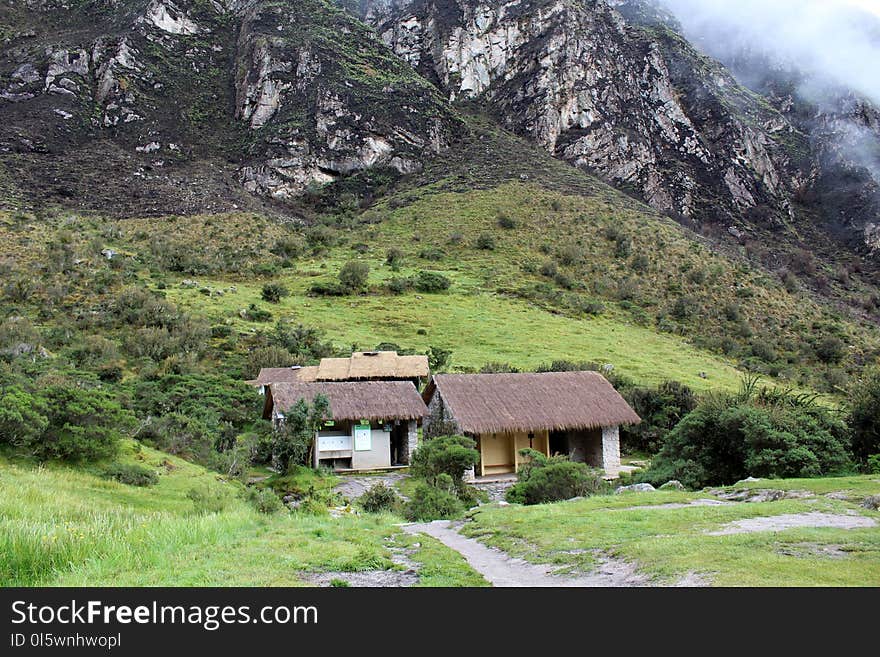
x=638 y=106
x=203 y=96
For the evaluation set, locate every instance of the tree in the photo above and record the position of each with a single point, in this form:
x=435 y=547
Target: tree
x=353 y=275
x=444 y=455
x=438 y=358
x=864 y=417
x=22 y=417
x=83 y=424
x=293 y=439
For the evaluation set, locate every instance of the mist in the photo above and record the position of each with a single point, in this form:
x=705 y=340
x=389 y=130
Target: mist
x=832 y=42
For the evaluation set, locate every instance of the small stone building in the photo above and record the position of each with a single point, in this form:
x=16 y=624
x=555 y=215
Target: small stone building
x=374 y=424
x=578 y=414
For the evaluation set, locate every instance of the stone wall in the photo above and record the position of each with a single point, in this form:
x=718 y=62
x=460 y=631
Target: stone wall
x=611 y=450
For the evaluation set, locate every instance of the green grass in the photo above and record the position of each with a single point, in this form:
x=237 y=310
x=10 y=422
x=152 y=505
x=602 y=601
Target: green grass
x=668 y=544
x=64 y=526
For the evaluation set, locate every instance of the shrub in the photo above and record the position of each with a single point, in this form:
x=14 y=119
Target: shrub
x=274 y=292
x=206 y=500
x=864 y=417
x=432 y=254
x=684 y=308
x=353 y=275
x=661 y=409
x=728 y=438
x=253 y=313
x=543 y=479
x=444 y=455
x=291 y=246
x=179 y=434
x=507 y=222
x=398 y=285
x=81 y=424
x=263 y=500
x=571 y=255
x=831 y=350
x=439 y=358
x=380 y=498
x=132 y=474
x=874 y=464
x=431 y=281
x=293 y=439
x=433 y=503
x=549 y=269
x=327 y=289
x=270 y=356
x=485 y=242
x=394 y=258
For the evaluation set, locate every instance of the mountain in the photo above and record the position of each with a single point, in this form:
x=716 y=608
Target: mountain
x=655 y=183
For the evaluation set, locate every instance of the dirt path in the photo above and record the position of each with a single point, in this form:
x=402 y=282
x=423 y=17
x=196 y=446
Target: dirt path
x=500 y=569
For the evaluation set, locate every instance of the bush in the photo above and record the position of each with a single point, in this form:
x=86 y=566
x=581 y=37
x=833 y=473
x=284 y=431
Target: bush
x=543 y=479
x=661 y=409
x=179 y=434
x=78 y=424
x=431 y=281
x=270 y=356
x=485 y=242
x=394 y=258
x=206 y=500
x=432 y=254
x=274 y=292
x=327 y=289
x=132 y=474
x=291 y=246
x=380 y=498
x=433 y=503
x=874 y=464
x=398 y=285
x=353 y=275
x=864 y=417
x=438 y=358
x=831 y=350
x=263 y=500
x=571 y=255
x=293 y=439
x=444 y=455
x=253 y=313
x=507 y=222
x=765 y=434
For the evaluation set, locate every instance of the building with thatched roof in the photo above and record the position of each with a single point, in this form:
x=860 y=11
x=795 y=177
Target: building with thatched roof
x=574 y=413
x=373 y=424
x=360 y=366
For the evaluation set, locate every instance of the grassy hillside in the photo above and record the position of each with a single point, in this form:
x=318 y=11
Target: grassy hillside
x=62 y=526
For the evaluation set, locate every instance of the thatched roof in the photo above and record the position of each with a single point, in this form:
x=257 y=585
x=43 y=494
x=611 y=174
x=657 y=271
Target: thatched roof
x=269 y=375
x=556 y=401
x=355 y=400
x=373 y=365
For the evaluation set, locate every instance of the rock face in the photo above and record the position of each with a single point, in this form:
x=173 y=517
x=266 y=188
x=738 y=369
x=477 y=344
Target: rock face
x=292 y=94
x=631 y=102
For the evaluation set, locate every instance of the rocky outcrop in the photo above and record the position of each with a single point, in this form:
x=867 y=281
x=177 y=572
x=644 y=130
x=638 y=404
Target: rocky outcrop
x=297 y=94
x=328 y=106
x=634 y=104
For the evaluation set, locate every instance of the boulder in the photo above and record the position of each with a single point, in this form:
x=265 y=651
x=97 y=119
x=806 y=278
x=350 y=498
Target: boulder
x=635 y=488
x=872 y=503
x=673 y=484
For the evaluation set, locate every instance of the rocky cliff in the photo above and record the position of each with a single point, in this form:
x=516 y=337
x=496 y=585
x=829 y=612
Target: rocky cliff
x=289 y=94
x=627 y=99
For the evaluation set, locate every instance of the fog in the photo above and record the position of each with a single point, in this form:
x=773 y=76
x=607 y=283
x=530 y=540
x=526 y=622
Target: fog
x=834 y=42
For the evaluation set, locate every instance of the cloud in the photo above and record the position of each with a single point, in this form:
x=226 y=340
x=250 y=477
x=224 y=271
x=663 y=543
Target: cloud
x=831 y=41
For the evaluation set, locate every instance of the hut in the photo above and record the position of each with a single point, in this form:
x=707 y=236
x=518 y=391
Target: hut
x=374 y=424
x=573 y=413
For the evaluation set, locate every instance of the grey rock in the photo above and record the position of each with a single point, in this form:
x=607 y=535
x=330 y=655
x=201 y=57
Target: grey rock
x=635 y=488
x=872 y=503
x=674 y=484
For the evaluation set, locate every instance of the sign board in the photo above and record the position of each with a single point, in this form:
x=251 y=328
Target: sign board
x=334 y=443
x=363 y=438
